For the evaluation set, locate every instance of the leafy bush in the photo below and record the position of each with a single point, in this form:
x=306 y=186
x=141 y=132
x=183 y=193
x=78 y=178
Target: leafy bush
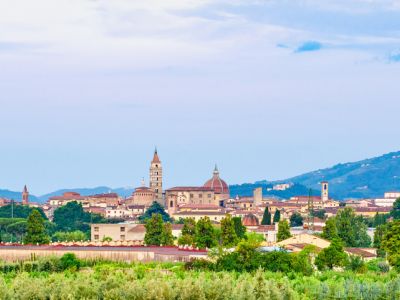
x=69 y=261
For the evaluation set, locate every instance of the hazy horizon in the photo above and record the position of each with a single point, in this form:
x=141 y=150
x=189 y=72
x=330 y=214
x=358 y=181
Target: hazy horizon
x=265 y=89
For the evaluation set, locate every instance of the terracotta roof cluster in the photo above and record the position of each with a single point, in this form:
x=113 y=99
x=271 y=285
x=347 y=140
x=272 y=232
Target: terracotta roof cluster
x=190 y=188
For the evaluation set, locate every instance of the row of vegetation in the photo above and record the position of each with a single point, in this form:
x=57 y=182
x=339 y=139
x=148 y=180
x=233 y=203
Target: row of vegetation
x=70 y=223
x=70 y=278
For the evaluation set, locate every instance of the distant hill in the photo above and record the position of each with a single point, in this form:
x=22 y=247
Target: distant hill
x=362 y=179
x=367 y=178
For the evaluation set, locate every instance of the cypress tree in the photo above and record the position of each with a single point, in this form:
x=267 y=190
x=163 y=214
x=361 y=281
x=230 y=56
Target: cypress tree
x=266 y=220
x=277 y=216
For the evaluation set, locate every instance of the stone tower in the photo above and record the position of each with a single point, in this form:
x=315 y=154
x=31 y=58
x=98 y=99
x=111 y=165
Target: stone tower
x=257 y=196
x=25 y=196
x=156 y=177
x=324 y=191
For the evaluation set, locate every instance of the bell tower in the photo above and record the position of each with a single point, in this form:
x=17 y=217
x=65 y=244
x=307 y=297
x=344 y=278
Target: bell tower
x=25 y=196
x=324 y=191
x=156 y=177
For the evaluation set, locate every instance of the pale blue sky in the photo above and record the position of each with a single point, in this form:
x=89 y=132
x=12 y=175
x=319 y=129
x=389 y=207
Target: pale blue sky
x=266 y=89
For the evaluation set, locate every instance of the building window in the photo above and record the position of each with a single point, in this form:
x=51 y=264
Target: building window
x=191 y=195
x=96 y=229
x=200 y=195
x=122 y=229
x=209 y=195
x=122 y=237
x=171 y=203
x=96 y=236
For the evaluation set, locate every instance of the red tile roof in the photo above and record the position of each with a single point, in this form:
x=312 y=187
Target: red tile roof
x=189 y=189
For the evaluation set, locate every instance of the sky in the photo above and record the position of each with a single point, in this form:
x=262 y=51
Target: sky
x=265 y=89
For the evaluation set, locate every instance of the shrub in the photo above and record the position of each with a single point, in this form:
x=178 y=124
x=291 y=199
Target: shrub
x=69 y=261
x=356 y=264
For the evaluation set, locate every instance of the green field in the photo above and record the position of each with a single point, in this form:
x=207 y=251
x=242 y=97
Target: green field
x=68 y=278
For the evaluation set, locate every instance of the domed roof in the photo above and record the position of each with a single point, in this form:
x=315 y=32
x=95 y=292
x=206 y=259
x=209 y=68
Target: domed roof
x=217 y=184
x=250 y=220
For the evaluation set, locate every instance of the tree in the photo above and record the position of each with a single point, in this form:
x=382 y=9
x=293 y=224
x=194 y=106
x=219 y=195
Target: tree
x=296 y=220
x=205 y=234
x=379 y=233
x=283 y=230
x=332 y=256
x=395 y=212
x=228 y=233
x=36 y=232
x=329 y=231
x=352 y=229
x=266 y=220
x=155 y=208
x=19 y=211
x=154 y=230
x=277 y=216
x=319 y=213
x=167 y=239
x=391 y=243
x=380 y=219
x=239 y=228
x=188 y=232
x=17 y=229
x=71 y=217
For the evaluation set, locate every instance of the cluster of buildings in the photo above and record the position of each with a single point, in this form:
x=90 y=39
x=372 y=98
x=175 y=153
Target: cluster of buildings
x=212 y=200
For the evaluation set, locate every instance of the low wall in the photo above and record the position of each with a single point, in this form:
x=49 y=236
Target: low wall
x=20 y=254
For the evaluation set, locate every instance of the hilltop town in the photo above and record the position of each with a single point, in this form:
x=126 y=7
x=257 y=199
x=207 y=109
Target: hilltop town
x=306 y=214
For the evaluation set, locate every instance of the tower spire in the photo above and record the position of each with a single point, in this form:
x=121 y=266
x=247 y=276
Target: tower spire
x=156 y=159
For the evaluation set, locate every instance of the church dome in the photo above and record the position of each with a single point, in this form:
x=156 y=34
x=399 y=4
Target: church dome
x=250 y=220
x=217 y=184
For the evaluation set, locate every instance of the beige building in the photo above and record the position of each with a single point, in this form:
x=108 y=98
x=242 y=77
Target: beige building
x=99 y=200
x=125 y=232
x=213 y=212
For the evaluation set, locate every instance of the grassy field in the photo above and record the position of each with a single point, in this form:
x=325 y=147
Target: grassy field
x=50 y=278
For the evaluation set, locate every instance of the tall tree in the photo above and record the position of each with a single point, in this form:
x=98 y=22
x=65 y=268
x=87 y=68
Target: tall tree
x=239 y=228
x=391 y=243
x=332 y=256
x=283 y=230
x=188 y=232
x=154 y=230
x=228 y=233
x=395 y=212
x=266 y=220
x=329 y=231
x=379 y=233
x=155 y=208
x=205 y=233
x=352 y=229
x=296 y=220
x=35 y=230
x=277 y=216
x=71 y=217
x=167 y=239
